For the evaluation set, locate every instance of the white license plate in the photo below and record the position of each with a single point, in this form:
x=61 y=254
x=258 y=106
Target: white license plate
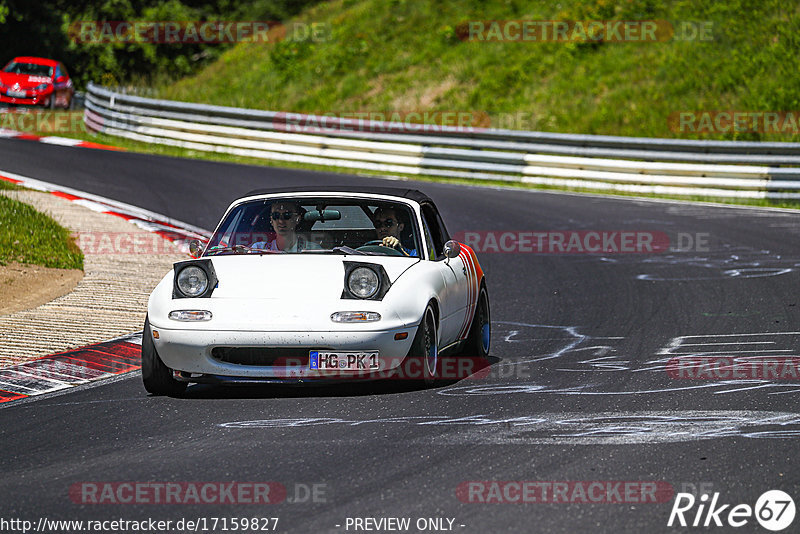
x=17 y=94
x=343 y=361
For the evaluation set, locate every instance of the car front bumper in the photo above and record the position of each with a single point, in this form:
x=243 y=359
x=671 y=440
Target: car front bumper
x=191 y=353
x=31 y=100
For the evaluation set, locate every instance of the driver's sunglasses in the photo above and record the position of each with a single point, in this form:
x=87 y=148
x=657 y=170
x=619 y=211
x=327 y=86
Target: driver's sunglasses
x=286 y=215
x=388 y=223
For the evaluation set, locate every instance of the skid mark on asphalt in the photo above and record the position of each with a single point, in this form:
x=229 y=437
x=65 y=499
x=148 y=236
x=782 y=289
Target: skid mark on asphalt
x=601 y=428
x=72 y=368
x=755 y=346
x=564 y=343
x=575 y=352
x=588 y=389
x=750 y=272
x=521 y=333
x=723 y=262
x=566 y=348
x=781 y=342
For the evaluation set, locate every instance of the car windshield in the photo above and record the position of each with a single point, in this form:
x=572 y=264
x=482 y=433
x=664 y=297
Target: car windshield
x=317 y=226
x=31 y=69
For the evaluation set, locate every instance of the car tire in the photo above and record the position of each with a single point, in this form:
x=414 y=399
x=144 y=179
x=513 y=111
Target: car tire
x=156 y=376
x=479 y=338
x=51 y=102
x=424 y=353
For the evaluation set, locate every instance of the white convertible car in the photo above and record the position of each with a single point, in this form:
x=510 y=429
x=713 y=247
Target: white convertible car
x=318 y=284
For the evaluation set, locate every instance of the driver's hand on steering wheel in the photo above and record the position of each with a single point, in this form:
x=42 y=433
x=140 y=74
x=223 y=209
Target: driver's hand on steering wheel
x=390 y=241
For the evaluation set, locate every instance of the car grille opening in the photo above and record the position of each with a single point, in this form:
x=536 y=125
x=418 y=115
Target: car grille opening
x=263 y=356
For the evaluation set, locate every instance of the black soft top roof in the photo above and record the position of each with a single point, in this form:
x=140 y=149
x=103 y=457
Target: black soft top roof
x=411 y=194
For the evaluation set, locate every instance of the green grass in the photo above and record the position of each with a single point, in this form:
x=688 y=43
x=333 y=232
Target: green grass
x=8 y=185
x=405 y=55
x=28 y=236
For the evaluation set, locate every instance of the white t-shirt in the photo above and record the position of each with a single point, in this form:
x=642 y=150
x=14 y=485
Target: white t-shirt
x=300 y=244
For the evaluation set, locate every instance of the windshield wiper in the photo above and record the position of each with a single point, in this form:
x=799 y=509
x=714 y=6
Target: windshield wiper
x=348 y=250
x=239 y=249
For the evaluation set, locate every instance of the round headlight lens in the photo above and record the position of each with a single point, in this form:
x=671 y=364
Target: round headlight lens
x=192 y=281
x=363 y=282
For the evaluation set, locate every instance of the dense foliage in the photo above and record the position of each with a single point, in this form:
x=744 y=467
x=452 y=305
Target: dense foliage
x=46 y=28
x=410 y=55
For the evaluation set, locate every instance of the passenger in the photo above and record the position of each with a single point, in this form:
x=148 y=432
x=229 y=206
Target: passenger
x=388 y=227
x=285 y=216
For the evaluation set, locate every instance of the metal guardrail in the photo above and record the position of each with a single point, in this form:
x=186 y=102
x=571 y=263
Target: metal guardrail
x=644 y=165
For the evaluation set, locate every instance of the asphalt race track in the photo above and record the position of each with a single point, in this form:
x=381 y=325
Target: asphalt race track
x=578 y=390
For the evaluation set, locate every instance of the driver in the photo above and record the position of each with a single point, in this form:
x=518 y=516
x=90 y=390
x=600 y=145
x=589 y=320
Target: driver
x=388 y=227
x=285 y=216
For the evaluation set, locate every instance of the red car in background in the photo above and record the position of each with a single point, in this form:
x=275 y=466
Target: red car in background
x=36 y=81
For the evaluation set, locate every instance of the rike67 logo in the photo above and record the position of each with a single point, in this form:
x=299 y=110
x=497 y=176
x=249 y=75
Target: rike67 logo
x=774 y=510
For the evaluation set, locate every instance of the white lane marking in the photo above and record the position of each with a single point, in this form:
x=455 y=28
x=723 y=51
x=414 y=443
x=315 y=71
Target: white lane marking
x=747 y=351
x=678 y=341
x=761 y=384
x=63 y=141
x=94 y=206
x=592 y=428
x=47 y=374
x=529 y=388
x=607 y=363
x=8 y=385
x=61 y=368
x=794 y=390
x=763 y=272
x=729 y=343
x=18 y=373
x=754 y=272
x=740 y=335
x=15 y=388
x=31 y=401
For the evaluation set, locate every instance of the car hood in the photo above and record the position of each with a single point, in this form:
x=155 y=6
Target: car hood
x=304 y=276
x=25 y=81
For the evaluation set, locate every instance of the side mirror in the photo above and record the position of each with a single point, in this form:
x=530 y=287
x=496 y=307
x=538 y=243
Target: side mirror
x=452 y=249
x=195 y=249
x=61 y=79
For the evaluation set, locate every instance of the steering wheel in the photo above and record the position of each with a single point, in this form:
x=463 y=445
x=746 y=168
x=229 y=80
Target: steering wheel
x=376 y=245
